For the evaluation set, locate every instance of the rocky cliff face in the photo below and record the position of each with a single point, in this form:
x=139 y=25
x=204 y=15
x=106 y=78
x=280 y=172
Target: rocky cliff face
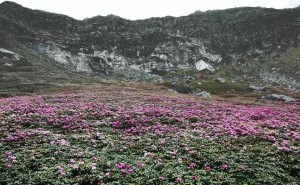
x=257 y=45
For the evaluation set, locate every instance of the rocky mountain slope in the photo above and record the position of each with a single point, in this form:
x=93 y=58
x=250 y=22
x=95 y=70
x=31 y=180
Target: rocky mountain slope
x=259 y=46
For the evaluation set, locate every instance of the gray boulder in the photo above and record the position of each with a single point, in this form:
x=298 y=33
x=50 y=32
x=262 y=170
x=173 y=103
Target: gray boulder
x=256 y=88
x=221 y=80
x=276 y=97
x=204 y=94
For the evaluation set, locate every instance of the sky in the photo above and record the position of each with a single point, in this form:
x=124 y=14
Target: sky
x=141 y=9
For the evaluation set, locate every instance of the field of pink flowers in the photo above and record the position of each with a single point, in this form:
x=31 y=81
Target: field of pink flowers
x=112 y=135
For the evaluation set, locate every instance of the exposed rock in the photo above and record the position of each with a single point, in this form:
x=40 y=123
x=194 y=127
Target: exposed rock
x=201 y=65
x=8 y=64
x=204 y=94
x=17 y=56
x=243 y=43
x=276 y=97
x=256 y=88
x=221 y=80
x=172 y=91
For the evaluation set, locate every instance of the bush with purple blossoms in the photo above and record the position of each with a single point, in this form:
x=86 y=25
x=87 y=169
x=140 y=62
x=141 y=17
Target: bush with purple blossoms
x=117 y=135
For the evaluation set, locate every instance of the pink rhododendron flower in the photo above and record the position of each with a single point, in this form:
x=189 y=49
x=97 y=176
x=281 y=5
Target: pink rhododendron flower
x=72 y=161
x=179 y=180
x=63 y=142
x=283 y=148
x=192 y=165
x=120 y=165
x=75 y=167
x=61 y=170
x=139 y=165
x=194 y=177
x=161 y=178
x=207 y=168
x=159 y=162
x=93 y=166
x=224 y=167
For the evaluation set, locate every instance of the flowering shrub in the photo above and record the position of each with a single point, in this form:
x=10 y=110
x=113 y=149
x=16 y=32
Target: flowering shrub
x=110 y=135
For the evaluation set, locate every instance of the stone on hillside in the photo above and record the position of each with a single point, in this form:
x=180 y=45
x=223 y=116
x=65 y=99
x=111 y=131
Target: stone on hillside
x=201 y=65
x=204 y=94
x=172 y=91
x=222 y=80
x=276 y=97
x=256 y=88
x=8 y=64
x=17 y=56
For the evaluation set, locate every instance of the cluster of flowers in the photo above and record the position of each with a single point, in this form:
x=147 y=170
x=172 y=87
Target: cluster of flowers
x=50 y=118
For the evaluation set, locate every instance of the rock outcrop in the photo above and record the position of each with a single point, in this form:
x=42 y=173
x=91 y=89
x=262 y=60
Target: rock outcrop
x=243 y=44
x=277 y=97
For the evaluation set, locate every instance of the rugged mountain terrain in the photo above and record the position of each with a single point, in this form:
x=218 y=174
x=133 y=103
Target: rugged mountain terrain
x=259 y=46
